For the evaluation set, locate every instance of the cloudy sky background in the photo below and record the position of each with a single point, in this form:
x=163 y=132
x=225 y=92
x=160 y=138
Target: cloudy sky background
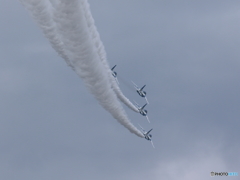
x=186 y=52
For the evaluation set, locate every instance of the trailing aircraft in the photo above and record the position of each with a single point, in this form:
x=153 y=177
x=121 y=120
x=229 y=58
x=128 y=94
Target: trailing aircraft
x=147 y=135
x=142 y=111
x=140 y=91
x=113 y=72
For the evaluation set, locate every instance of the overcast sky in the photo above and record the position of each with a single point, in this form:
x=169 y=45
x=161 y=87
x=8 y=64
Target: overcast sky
x=187 y=52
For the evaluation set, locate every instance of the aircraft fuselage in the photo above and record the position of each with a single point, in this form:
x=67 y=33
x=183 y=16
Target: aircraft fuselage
x=148 y=137
x=141 y=93
x=114 y=74
x=143 y=112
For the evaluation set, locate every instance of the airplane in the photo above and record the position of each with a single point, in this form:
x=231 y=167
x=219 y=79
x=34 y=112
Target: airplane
x=146 y=134
x=114 y=73
x=142 y=111
x=140 y=91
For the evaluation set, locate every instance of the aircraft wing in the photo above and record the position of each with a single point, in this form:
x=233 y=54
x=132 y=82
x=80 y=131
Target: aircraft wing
x=141 y=128
x=135 y=85
x=113 y=67
x=137 y=104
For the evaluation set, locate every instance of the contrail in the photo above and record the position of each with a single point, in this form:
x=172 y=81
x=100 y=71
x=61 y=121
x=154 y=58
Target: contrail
x=102 y=54
x=41 y=12
x=78 y=47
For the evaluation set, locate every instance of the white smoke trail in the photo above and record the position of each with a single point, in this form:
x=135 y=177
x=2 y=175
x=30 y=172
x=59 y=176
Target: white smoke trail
x=102 y=54
x=79 y=48
x=41 y=12
x=71 y=22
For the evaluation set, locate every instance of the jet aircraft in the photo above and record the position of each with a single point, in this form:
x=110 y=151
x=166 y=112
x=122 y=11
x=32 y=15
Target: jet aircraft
x=140 y=91
x=142 y=111
x=114 y=73
x=146 y=134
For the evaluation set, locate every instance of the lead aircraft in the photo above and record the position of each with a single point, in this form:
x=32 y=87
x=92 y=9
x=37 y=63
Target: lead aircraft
x=147 y=135
x=114 y=73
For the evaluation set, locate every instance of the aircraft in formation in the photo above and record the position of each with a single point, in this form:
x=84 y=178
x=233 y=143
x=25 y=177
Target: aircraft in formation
x=114 y=73
x=141 y=110
x=140 y=91
x=147 y=135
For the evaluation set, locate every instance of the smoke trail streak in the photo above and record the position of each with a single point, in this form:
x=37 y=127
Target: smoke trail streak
x=86 y=59
x=41 y=12
x=79 y=47
x=102 y=54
